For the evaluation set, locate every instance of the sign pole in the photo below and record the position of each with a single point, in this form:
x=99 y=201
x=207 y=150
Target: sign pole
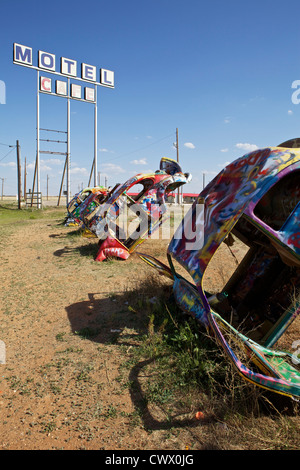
x=68 y=148
x=38 y=142
x=19 y=174
x=22 y=55
x=95 y=138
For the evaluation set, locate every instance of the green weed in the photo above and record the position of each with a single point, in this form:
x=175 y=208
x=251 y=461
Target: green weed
x=183 y=361
x=87 y=333
x=9 y=213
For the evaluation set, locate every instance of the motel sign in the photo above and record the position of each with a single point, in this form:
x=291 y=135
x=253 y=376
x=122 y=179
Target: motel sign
x=69 y=68
x=66 y=70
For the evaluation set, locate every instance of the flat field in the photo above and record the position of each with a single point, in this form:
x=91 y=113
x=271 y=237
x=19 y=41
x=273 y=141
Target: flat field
x=96 y=359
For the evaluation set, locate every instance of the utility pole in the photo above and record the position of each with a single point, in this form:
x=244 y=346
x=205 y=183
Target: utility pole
x=25 y=174
x=19 y=175
x=177 y=149
x=47 y=186
x=2 y=187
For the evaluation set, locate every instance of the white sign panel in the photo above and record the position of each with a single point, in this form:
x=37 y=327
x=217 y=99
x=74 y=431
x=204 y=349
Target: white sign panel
x=75 y=91
x=45 y=84
x=107 y=77
x=68 y=67
x=22 y=54
x=46 y=61
x=88 y=72
x=61 y=88
x=89 y=94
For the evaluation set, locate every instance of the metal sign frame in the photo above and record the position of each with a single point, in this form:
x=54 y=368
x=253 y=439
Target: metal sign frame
x=22 y=55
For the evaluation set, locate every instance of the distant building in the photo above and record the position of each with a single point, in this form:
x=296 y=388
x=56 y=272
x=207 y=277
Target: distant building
x=189 y=198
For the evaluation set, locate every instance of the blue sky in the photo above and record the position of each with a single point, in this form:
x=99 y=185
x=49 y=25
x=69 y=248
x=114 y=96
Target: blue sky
x=219 y=71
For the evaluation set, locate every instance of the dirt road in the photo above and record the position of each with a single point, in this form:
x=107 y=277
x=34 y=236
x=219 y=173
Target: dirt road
x=69 y=335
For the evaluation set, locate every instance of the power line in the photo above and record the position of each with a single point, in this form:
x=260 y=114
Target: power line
x=138 y=150
x=8 y=152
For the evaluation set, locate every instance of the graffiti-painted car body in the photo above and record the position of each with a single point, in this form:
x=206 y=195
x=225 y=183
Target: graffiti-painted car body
x=88 y=198
x=255 y=200
x=146 y=210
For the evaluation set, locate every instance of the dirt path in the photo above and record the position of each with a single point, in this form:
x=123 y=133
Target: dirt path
x=68 y=334
x=64 y=385
x=55 y=384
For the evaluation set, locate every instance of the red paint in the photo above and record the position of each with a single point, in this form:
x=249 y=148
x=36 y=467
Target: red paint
x=111 y=247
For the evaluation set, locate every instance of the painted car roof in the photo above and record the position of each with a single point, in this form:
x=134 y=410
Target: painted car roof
x=234 y=191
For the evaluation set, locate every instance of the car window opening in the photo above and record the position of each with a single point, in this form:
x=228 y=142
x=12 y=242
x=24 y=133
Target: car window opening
x=263 y=290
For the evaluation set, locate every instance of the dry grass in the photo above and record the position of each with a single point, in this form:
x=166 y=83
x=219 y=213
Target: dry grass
x=98 y=359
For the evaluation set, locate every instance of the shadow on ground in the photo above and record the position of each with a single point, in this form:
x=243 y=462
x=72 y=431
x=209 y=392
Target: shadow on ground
x=110 y=320
x=82 y=250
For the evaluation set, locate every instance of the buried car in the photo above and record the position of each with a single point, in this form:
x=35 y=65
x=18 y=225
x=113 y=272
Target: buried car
x=86 y=200
x=256 y=200
x=133 y=211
